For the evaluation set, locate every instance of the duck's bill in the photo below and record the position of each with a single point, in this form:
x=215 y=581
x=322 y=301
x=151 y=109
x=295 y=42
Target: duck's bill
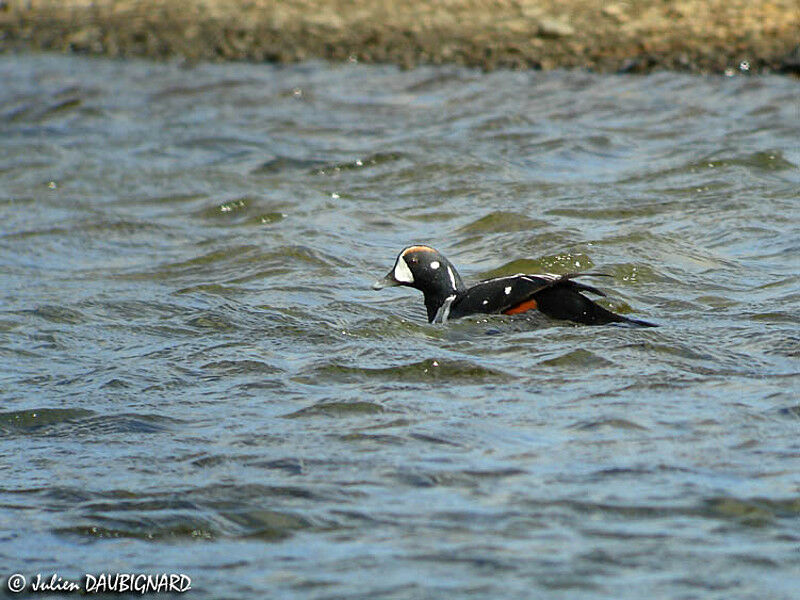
x=388 y=281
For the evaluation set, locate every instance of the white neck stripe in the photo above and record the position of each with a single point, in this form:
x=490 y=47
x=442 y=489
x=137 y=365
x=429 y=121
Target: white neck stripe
x=452 y=277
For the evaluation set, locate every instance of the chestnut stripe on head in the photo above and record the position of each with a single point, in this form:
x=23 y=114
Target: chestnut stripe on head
x=417 y=249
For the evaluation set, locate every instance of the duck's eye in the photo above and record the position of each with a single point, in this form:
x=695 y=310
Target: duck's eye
x=414 y=259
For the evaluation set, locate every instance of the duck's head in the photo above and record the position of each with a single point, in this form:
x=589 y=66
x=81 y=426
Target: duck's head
x=427 y=270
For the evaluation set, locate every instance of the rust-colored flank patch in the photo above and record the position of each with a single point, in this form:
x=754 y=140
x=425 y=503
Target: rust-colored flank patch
x=522 y=307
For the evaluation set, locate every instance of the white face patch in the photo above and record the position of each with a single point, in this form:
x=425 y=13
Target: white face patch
x=435 y=265
x=401 y=271
x=508 y=290
x=452 y=277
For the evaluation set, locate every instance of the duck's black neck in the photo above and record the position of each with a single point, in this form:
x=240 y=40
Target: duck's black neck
x=434 y=302
x=446 y=287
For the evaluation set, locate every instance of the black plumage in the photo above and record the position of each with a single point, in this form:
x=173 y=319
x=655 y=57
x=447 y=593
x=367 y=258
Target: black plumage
x=446 y=296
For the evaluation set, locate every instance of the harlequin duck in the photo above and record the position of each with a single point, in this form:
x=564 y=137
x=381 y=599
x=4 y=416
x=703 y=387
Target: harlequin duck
x=446 y=296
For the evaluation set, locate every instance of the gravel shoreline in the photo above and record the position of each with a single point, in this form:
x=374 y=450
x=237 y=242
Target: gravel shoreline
x=713 y=36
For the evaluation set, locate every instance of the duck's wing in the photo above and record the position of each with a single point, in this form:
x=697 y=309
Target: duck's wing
x=557 y=296
x=501 y=294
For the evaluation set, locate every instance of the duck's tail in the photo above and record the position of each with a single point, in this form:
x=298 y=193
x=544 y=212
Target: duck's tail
x=565 y=301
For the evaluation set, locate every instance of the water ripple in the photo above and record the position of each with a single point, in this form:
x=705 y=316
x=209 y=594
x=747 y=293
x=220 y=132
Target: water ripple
x=195 y=365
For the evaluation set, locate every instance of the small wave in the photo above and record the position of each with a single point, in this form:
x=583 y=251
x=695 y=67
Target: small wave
x=461 y=371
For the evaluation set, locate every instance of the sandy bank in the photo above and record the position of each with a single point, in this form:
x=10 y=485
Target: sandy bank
x=633 y=35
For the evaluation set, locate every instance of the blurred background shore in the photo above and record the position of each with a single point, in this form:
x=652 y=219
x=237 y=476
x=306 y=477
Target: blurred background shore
x=630 y=36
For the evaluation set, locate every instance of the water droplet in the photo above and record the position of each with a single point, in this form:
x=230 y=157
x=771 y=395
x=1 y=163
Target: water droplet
x=334 y=195
x=52 y=185
x=744 y=66
x=729 y=72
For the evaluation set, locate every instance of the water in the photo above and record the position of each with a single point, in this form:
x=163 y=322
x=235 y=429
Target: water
x=198 y=379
